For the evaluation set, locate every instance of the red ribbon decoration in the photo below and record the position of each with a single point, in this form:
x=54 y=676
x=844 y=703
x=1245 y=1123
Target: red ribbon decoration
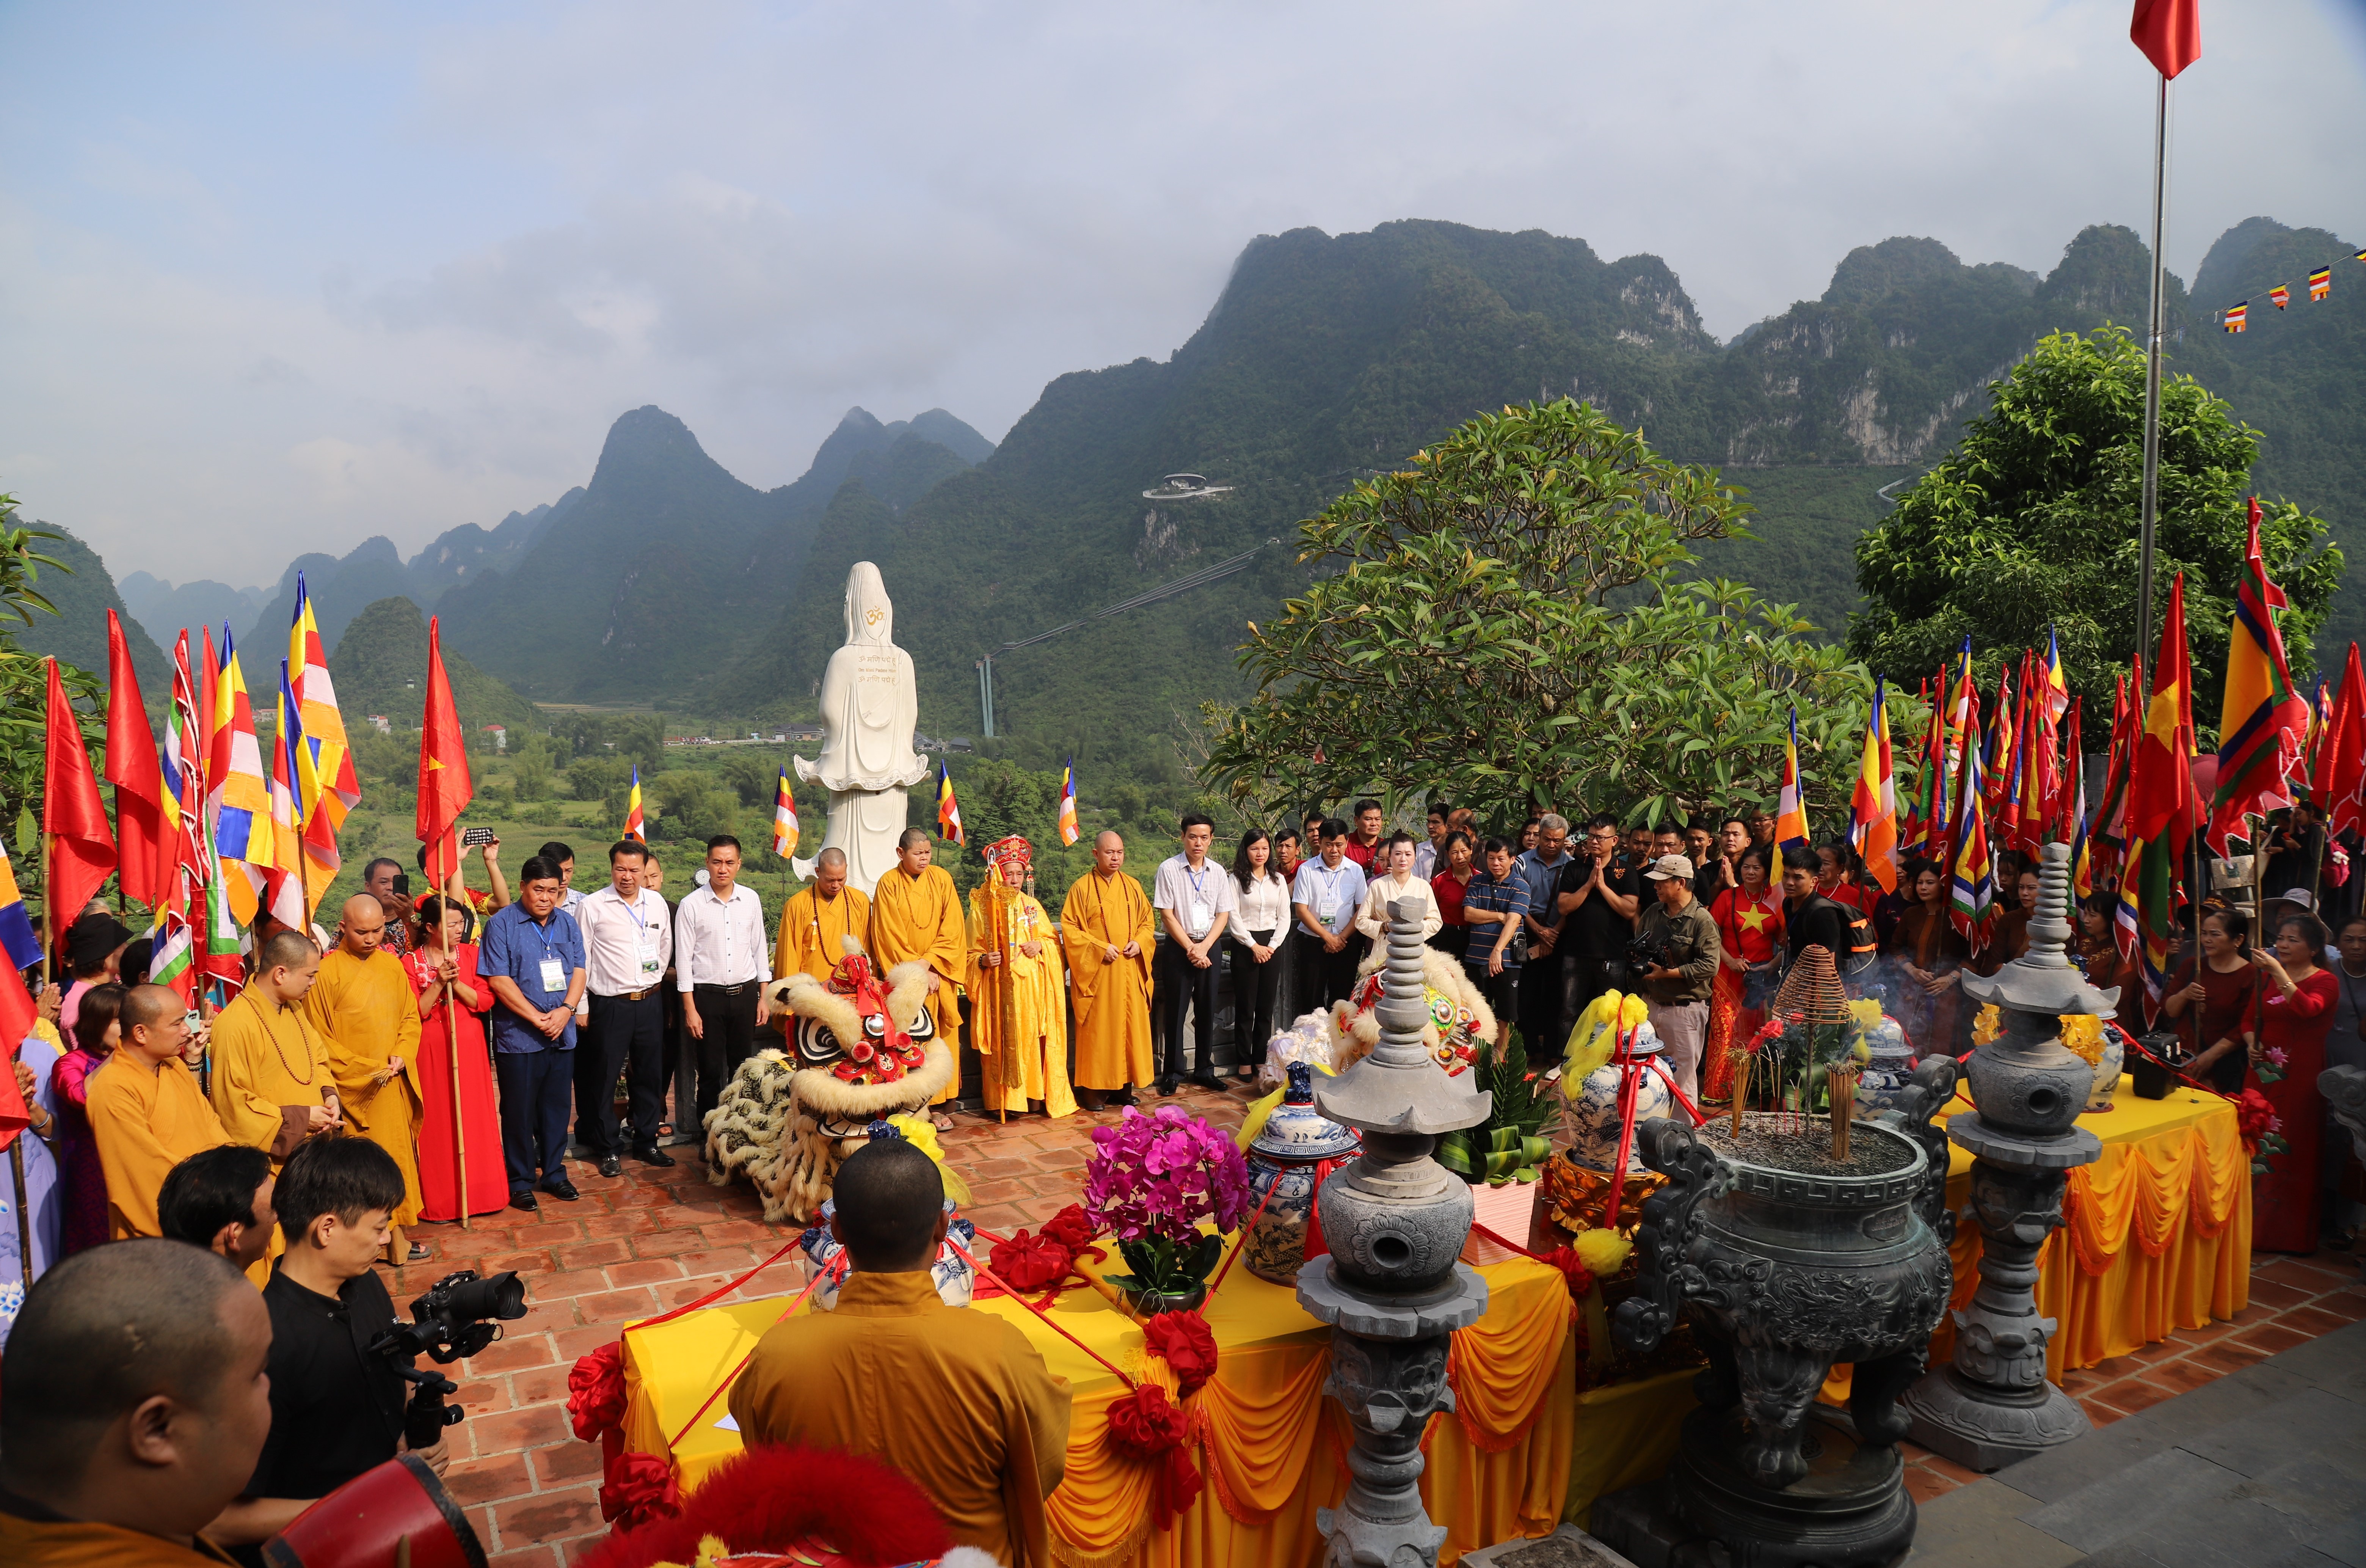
x=1185 y=1343
x=1148 y=1429
x=636 y=1489
x=595 y=1392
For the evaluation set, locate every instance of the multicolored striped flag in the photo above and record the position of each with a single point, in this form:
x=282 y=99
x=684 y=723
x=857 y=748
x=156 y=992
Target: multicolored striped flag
x=17 y=938
x=1931 y=788
x=784 y=818
x=2239 y=315
x=284 y=895
x=1791 y=809
x=175 y=962
x=2074 y=826
x=635 y=827
x=326 y=786
x=2340 y=769
x=1873 y=806
x=2054 y=690
x=2264 y=721
x=1068 y=827
x=1971 y=896
x=1963 y=717
x=949 y=822
x=2320 y=283
x=2162 y=811
x=238 y=798
x=2280 y=297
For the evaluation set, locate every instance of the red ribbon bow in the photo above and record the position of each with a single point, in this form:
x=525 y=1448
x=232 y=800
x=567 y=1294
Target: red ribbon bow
x=1187 y=1344
x=1031 y=1263
x=1148 y=1429
x=595 y=1392
x=636 y=1489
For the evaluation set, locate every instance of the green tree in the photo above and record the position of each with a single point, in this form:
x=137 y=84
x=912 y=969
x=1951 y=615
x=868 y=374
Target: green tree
x=24 y=696
x=2032 y=520
x=1504 y=625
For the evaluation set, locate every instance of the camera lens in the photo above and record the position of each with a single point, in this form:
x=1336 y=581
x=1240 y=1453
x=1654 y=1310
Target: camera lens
x=502 y=1296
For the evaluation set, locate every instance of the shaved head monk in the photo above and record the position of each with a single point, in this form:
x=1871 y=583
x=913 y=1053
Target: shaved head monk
x=917 y=914
x=147 y=1113
x=816 y=922
x=133 y=1404
x=957 y=1400
x=1105 y=927
x=363 y=1005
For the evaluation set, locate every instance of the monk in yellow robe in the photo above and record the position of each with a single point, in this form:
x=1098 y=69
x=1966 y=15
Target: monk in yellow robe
x=273 y=1084
x=1017 y=990
x=816 y=922
x=1105 y=927
x=364 y=1003
x=155 y=1327
x=147 y=1113
x=917 y=913
x=957 y=1400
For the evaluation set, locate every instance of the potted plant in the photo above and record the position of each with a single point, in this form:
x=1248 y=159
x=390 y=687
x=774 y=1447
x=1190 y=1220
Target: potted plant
x=1152 y=1180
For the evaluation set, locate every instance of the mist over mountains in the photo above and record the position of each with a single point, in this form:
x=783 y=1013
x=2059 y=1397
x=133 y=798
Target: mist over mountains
x=1326 y=358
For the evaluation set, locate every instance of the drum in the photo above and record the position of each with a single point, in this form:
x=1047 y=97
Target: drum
x=397 y=1515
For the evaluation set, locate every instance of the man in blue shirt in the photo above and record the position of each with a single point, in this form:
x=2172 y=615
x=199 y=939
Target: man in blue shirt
x=531 y=956
x=1494 y=903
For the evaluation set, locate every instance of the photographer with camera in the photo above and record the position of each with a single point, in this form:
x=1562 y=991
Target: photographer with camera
x=1677 y=948
x=336 y=1405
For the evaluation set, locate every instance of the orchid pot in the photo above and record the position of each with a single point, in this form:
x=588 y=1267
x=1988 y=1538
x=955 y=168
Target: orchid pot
x=1151 y=1181
x=1167 y=1276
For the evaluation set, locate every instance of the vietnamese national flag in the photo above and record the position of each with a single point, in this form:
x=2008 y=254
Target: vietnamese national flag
x=444 y=787
x=2342 y=754
x=131 y=768
x=73 y=820
x=2168 y=32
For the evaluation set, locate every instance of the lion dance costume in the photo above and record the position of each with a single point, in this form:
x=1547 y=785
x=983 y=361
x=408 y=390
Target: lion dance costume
x=861 y=1053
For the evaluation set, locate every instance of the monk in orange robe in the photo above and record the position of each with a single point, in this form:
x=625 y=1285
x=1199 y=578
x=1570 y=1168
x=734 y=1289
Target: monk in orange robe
x=957 y=1400
x=363 y=1003
x=816 y=922
x=917 y=913
x=273 y=1084
x=1105 y=928
x=147 y=1113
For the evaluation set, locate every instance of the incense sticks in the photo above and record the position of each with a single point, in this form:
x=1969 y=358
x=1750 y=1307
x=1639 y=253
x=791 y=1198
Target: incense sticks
x=1839 y=1082
x=1740 y=1087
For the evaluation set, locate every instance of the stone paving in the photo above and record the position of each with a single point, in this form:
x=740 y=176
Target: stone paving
x=651 y=1239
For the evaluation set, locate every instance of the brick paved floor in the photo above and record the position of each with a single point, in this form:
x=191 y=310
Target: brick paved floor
x=651 y=1239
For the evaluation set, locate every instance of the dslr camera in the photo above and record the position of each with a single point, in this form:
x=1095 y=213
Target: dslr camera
x=456 y=1317
x=1647 y=949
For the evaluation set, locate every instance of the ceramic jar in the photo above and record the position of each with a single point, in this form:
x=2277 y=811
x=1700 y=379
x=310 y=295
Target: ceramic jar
x=1887 y=1068
x=1593 y=1110
x=2107 y=1071
x=1285 y=1163
x=952 y=1276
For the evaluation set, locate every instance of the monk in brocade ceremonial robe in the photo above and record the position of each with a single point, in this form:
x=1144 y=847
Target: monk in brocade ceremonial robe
x=273 y=1084
x=917 y=914
x=133 y=1406
x=1018 y=995
x=364 y=1003
x=954 y=1398
x=147 y=1113
x=816 y=922
x=1105 y=928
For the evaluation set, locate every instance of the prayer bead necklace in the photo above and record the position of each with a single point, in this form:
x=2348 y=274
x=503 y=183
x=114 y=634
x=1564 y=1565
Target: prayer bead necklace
x=273 y=1035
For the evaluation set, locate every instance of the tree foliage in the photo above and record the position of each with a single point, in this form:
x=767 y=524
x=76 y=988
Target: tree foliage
x=1504 y=627
x=24 y=686
x=2032 y=520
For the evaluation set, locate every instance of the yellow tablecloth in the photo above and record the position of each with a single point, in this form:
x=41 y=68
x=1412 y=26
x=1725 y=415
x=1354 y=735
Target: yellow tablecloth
x=1273 y=1446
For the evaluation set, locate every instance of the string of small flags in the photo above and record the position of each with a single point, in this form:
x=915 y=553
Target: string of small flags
x=2236 y=317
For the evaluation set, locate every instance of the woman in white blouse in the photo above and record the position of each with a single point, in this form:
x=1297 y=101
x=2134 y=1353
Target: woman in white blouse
x=1256 y=931
x=1398 y=884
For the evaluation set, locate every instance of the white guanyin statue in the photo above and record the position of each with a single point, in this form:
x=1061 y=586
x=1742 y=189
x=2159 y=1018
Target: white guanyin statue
x=870 y=707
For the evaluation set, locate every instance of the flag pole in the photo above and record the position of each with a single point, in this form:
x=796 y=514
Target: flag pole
x=2151 y=501
x=24 y=1204
x=452 y=1045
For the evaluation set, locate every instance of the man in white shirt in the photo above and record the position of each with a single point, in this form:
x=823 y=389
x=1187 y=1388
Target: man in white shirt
x=723 y=961
x=1429 y=859
x=1193 y=898
x=1396 y=884
x=627 y=942
x=1326 y=897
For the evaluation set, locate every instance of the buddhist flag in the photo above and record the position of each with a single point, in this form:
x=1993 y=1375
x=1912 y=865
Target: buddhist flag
x=326 y=787
x=1963 y=715
x=1997 y=761
x=2320 y=283
x=1791 y=808
x=784 y=819
x=444 y=789
x=238 y=800
x=2263 y=720
x=1068 y=828
x=949 y=822
x=636 y=827
x=1971 y=897
x=2168 y=32
x=1872 y=808
x=131 y=769
x=285 y=897
x=2074 y=826
x=2341 y=753
x=17 y=938
x=74 y=821
x=1931 y=786
x=2280 y=297
x=2161 y=809
x=2236 y=317
x=2055 y=690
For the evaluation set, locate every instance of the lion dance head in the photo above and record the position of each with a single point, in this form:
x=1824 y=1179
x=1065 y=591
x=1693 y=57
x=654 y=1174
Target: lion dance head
x=863 y=1051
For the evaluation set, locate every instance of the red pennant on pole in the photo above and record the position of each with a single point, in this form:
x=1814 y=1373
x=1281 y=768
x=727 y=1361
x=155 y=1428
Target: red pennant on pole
x=2168 y=32
x=74 y=821
x=131 y=769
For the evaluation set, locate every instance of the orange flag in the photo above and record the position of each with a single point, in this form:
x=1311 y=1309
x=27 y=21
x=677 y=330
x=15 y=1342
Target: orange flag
x=74 y=821
x=444 y=787
x=131 y=769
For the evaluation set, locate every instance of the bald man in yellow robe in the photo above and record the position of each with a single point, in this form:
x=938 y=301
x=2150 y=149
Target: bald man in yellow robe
x=1105 y=928
x=917 y=913
x=816 y=922
x=147 y=1113
x=273 y=1084
x=1017 y=991
x=364 y=1003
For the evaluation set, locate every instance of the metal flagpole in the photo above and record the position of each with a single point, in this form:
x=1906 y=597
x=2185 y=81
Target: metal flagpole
x=2152 y=370
x=452 y=1042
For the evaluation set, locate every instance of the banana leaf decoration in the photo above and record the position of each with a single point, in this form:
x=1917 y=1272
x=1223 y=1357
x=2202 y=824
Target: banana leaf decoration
x=1507 y=1147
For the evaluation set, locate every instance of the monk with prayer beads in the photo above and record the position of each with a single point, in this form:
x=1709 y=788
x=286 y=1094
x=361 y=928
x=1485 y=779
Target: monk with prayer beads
x=916 y=912
x=1105 y=928
x=364 y=1004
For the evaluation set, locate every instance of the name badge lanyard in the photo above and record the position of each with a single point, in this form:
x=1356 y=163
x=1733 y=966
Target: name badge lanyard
x=1328 y=910
x=554 y=968
x=651 y=965
x=1202 y=916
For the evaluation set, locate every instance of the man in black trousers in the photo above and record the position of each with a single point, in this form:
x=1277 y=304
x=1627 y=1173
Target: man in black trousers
x=628 y=944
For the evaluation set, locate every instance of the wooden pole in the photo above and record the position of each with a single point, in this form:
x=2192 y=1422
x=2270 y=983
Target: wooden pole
x=452 y=1042
x=24 y=1204
x=1741 y=1088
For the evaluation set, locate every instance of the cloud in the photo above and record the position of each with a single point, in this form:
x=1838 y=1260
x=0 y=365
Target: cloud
x=293 y=277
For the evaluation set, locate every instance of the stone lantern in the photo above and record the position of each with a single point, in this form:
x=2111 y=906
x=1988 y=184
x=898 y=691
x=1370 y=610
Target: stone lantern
x=1392 y=1287
x=1993 y=1404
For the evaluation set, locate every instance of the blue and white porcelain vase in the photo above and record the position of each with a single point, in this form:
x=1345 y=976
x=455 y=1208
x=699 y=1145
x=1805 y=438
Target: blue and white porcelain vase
x=1592 y=1111
x=1285 y=1162
x=952 y=1276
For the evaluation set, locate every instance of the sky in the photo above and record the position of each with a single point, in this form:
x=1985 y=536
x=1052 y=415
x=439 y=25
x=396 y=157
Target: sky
x=277 y=279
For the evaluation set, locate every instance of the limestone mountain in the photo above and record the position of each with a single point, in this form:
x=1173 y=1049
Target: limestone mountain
x=159 y=604
x=83 y=594
x=381 y=659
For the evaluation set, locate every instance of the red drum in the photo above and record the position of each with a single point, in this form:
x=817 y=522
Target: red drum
x=397 y=1515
